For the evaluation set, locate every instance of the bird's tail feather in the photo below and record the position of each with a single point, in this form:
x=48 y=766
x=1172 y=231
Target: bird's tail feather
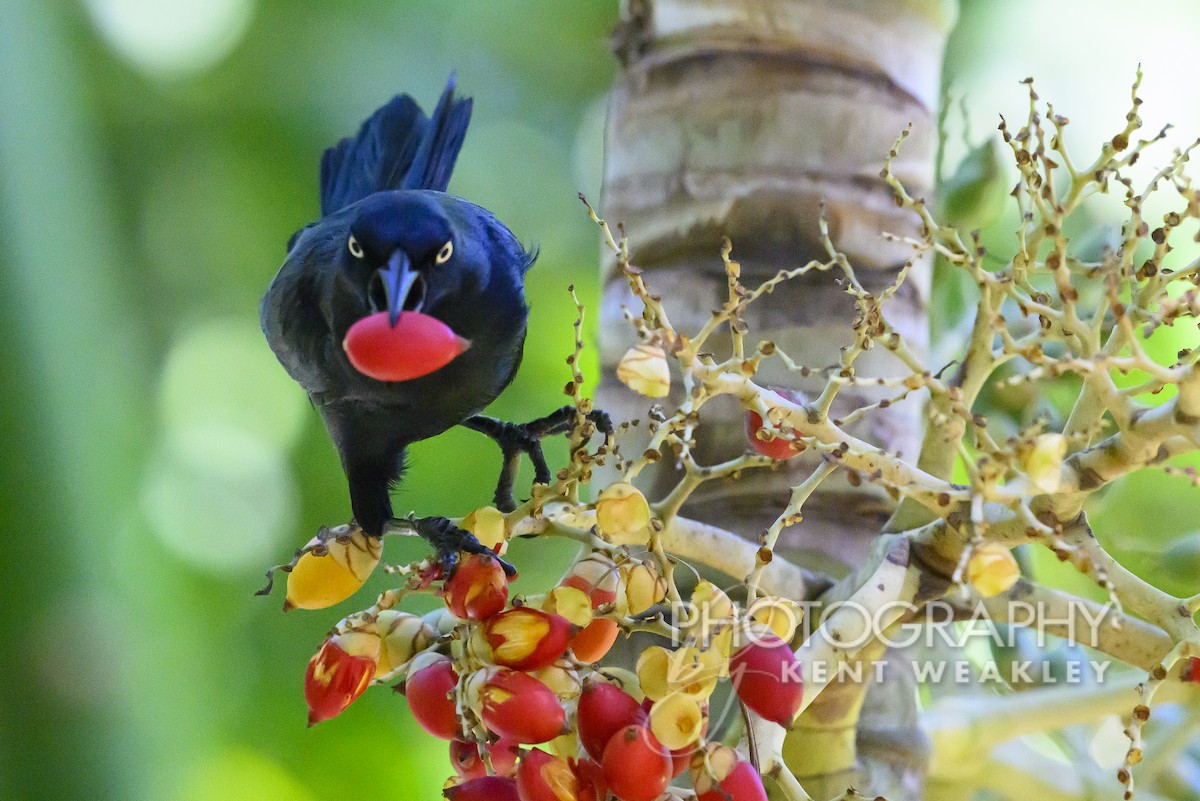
x=434 y=161
x=398 y=147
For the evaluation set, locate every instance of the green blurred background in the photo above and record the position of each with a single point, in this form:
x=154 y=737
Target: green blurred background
x=154 y=159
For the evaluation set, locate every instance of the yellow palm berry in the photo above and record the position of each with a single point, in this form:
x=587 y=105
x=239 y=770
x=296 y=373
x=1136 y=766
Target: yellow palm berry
x=441 y=621
x=571 y=603
x=724 y=643
x=677 y=720
x=487 y=524
x=644 y=587
x=780 y=615
x=695 y=671
x=714 y=612
x=404 y=636
x=472 y=687
x=653 y=668
x=564 y=746
x=623 y=515
x=359 y=642
x=1042 y=461
x=333 y=571
x=992 y=569
x=627 y=680
x=644 y=369
x=687 y=670
x=560 y=678
x=712 y=766
x=478 y=647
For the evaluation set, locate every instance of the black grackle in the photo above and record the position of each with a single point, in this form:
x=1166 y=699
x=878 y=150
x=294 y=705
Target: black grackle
x=390 y=238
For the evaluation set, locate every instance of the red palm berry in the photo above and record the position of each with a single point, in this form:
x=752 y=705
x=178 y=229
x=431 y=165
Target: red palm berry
x=429 y=691
x=485 y=788
x=636 y=766
x=604 y=709
x=775 y=447
x=478 y=589
x=766 y=677
x=742 y=784
x=1191 y=670
x=527 y=639
x=415 y=346
x=681 y=758
x=518 y=707
x=590 y=775
x=336 y=677
x=465 y=759
x=542 y=777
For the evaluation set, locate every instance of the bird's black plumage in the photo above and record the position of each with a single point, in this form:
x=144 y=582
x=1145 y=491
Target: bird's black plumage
x=386 y=222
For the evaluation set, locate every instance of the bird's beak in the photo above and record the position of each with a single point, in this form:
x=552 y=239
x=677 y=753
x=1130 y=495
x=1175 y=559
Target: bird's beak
x=398 y=280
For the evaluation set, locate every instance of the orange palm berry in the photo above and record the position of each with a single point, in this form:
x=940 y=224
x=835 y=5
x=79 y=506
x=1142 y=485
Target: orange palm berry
x=591 y=644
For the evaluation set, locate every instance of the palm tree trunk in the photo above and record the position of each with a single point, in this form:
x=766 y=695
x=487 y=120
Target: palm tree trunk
x=743 y=120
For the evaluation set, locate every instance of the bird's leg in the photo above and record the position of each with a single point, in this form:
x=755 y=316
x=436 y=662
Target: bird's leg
x=448 y=540
x=515 y=439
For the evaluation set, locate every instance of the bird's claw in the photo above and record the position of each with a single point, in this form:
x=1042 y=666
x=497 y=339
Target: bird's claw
x=449 y=541
x=515 y=439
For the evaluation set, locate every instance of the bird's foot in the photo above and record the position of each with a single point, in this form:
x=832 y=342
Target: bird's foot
x=450 y=542
x=515 y=439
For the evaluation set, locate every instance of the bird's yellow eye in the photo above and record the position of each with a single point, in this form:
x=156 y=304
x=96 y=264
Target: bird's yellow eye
x=355 y=249
x=445 y=253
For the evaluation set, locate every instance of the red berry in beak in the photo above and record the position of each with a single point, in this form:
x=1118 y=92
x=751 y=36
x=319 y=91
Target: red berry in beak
x=417 y=345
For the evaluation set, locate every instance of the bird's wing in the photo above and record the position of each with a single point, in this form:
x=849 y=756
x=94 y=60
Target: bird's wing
x=291 y=319
x=398 y=147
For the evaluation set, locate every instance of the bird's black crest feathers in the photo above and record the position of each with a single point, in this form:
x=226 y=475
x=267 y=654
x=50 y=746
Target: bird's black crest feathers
x=398 y=147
